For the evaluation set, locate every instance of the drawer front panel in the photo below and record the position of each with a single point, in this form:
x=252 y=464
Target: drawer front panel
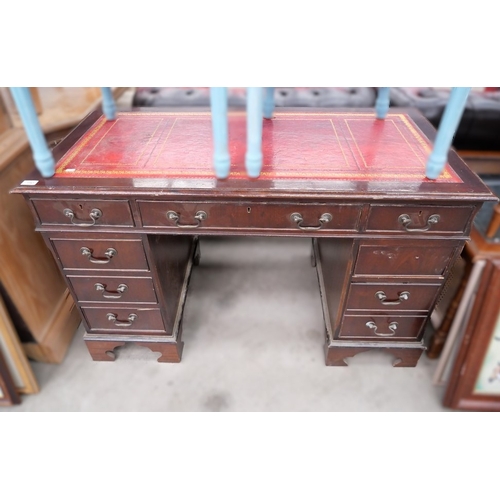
x=299 y=217
x=106 y=254
x=378 y=327
x=84 y=213
x=419 y=219
x=124 y=320
x=424 y=258
x=113 y=290
x=391 y=297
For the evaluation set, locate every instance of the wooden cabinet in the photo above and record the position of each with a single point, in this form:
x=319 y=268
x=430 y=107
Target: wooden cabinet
x=33 y=289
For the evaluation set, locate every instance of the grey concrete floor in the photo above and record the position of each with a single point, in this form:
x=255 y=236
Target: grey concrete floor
x=253 y=333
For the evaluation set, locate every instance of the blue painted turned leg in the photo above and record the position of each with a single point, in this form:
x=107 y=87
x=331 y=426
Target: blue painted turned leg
x=42 y=156
x=382 y=102
x=446 y=130
x=108 y=103
x=268 y=102
x=218 y=104
x=253 y=157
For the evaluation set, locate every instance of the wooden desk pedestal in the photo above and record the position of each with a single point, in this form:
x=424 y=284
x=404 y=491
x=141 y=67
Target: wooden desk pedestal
x=381 y=295
x=130 y=198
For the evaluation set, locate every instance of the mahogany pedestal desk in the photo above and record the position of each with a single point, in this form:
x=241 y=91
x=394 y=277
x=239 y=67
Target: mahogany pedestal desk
x=131 y=197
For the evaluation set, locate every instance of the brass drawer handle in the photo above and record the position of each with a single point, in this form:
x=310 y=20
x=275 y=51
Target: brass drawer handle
x=382 y=297
x=109 y=253
x=405 y=220
x=95 y=213
x=120 y=290
x=114 y=319
x=199 y=216
x=392 y=326
x=298 y=219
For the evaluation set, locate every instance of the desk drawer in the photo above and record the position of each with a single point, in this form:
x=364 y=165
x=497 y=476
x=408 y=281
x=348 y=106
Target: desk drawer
x=84 y=213
x=415 y=258
x=124 y=320
x=113 y=290
x=279 y=216
x=391 y=297
x=419 y=219
x=379 y=327
x=103 y=254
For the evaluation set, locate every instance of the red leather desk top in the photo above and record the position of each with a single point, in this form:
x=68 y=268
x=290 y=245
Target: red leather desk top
x=305 y=145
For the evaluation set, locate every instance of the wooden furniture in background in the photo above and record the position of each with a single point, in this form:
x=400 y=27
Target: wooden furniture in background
x=123 y=221
x=35 y=294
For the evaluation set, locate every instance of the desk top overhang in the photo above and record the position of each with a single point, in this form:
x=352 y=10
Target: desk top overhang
x=313 y=153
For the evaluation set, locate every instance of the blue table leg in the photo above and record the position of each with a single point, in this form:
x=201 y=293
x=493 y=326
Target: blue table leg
x=446 y=130
x=253 y=157
x=108 y=103
x=42 y=156
x=268 y=102
x=218 y=104
x=382 y=102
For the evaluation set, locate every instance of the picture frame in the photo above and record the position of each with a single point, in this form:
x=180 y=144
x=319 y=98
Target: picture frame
x=16 y=361
x=474 y=382
x=458 y=325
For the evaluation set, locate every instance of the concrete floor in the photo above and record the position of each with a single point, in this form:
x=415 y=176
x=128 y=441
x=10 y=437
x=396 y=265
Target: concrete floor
x=253 y=333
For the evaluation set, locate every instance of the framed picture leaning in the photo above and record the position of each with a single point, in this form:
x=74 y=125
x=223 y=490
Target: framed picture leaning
x=475 y=378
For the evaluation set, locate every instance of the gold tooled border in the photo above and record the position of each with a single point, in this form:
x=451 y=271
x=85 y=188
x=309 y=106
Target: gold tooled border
x=68 y=157
x=66 y=160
